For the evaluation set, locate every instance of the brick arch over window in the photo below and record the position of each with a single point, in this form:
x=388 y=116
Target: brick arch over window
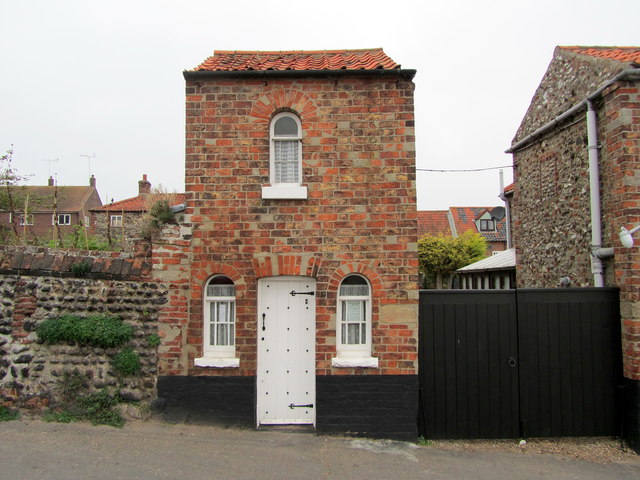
x=360 y=268
x=203 y=275
x=284 y=100
x=298 y=265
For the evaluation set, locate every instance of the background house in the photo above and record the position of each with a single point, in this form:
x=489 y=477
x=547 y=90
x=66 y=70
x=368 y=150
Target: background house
x=294 y=299
x=576 y=184
x=52 y=211
x=121 y=222
x=490 y=222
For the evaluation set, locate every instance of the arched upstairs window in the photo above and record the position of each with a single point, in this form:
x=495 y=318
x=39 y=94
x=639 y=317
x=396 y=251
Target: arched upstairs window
x=285 y=163
x=219 y=328
x=353 y=324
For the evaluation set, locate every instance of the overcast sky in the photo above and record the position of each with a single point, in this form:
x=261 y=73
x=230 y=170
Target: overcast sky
x=82 y=77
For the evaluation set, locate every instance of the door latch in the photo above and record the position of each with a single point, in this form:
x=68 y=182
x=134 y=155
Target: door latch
x=263 y=315
x=292 y=406
x=293 y=293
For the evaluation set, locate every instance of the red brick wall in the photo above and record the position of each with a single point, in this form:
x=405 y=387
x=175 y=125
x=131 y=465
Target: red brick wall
x=360 y=216
x=620 y=136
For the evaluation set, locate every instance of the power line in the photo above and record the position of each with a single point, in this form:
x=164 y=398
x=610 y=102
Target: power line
x=462 y=170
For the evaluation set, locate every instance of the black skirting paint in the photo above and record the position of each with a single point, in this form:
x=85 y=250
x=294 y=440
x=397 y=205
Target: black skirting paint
x=631 y=415
x=382 y=406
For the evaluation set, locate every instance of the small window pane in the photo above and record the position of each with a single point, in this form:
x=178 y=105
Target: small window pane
x=354 y=285
x=221 y=290
x=286 y=162
x=221 y=286
x=222 y=332
x=285 y=127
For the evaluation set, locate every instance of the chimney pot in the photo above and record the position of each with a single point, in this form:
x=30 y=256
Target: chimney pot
x=92 y=181
x=51 y=183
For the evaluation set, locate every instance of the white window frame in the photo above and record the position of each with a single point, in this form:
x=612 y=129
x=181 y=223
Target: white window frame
x=66 y=216
x=29 y=219
x=354 y=355
x=279 y=190
x=213 y=355
x=116 y=221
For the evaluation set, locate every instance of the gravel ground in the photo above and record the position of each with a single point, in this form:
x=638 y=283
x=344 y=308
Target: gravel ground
x=596 y=450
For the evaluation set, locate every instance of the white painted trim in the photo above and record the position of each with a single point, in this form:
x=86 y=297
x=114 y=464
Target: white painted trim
x=221 y=362
x=285 y=191
x=347 y=362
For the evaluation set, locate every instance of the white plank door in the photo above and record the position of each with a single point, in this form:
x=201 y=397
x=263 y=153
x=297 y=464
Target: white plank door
x=286 y=350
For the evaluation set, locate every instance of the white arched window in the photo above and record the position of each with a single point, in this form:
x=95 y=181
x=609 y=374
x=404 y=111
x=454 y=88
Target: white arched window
x=285 y=152
x=353 y=324
x=219 y=329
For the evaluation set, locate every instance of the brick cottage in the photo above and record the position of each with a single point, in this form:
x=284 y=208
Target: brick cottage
x=293 y=274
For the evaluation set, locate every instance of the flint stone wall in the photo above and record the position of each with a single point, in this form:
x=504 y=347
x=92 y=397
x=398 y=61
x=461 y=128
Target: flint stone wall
x=30 y=370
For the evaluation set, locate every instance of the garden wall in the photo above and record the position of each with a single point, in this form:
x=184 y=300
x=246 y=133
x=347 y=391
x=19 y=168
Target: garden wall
x=38 y=284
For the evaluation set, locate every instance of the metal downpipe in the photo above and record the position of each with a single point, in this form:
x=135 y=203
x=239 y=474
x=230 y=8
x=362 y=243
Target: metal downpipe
x=597 y=268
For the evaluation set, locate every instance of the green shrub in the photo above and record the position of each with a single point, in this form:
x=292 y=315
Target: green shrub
x=153 y=340
x=98 y=331
x=76 y=404
x=7 y=415
x=126 y=362
x=99 y=409
x=81 y=269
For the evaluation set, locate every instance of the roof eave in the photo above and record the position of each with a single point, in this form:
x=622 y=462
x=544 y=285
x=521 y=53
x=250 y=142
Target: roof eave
x=379 y=72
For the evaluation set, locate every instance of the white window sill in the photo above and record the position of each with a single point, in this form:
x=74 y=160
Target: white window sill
x=347 y=362
x=283 y=192
x=217 y=362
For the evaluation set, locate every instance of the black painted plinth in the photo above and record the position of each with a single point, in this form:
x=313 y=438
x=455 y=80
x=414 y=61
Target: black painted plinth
x=224 y=401
x=631 y=415
x=382 y=406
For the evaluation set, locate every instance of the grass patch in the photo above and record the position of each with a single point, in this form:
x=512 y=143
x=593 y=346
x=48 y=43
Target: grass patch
x=423 y=442
x=7 y=415
x=60 y=417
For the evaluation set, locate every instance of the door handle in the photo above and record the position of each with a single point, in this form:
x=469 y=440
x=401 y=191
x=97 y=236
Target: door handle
x=263 y=327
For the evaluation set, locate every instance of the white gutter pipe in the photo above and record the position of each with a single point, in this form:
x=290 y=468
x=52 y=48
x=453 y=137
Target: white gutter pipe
x=598 y=253
x=597 y=268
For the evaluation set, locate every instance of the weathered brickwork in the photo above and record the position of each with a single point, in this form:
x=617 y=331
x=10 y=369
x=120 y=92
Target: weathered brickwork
x=551 y=213
x=358 y=159
x=30 y=370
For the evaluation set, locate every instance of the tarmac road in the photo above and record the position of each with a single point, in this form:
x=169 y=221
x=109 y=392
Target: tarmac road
x=31 y=449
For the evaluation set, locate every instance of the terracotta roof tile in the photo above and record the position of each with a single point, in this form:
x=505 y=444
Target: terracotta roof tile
x=135 y=204
x=621 y=54
x=365 y=59
x=433 y=222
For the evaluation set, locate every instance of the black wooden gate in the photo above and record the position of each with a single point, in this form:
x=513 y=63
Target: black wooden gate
x=519 y=363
